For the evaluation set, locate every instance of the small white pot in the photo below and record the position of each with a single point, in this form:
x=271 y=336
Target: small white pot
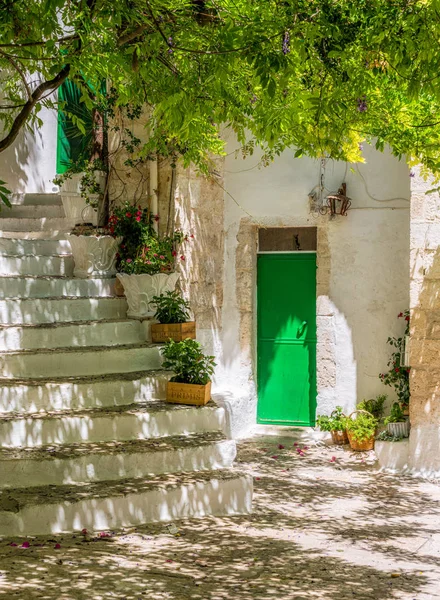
x=94 y=256
x=77 y=210
x=399 y=429
x=140 y=289
x=72 y=185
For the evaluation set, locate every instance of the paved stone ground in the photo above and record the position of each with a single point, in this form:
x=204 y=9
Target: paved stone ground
x=325 y=525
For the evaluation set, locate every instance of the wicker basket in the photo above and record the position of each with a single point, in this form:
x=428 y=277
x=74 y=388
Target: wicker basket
x=364 y=445
x=339 y=437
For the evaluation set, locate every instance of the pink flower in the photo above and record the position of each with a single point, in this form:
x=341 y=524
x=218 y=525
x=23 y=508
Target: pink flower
x=148 y=262
x=162 y=257
x=155 y=255
x=57 y=546
x=274 y=457
x=25 y=545
x=192 y=236
x=13 y=544
x=128 y=215
x=295 y=444
x=84 y=531
x=257 y=478
x=105 y=534
x=333 y=459
x=280 y=447
x=129 y=260
x=138 y=219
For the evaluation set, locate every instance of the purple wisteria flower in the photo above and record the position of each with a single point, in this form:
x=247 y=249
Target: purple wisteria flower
x=412 y=174
x=362 y=104
x=286 y=43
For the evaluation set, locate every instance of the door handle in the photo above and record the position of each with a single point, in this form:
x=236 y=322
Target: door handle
x=301 y=329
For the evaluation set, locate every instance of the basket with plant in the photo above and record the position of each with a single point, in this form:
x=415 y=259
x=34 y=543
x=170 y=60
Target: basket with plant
x=361 y=430
x=335 y=424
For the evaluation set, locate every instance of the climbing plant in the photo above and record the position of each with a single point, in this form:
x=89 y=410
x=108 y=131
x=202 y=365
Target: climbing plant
x=319 y=75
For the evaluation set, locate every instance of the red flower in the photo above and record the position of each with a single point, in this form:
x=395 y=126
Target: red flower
x=25 y=545
x=399 y=315
x=129 y=260
x=128 y=215
x=397 y=369
x=182 y=257
x=192 y=236
x=407 y=318
x=162 y=257
x=155 y=255
x=138 y=219
x=57 y=546
x=174 y=253
x=156 y=218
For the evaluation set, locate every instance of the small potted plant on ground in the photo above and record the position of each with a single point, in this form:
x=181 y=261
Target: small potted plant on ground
x=396 y=424
x=173 y=316
x=191 y=383
x=94 y=251
x=146 y=264
x=335 y=423
x=361 y=430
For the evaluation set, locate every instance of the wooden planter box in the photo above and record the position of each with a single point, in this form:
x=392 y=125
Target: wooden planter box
x=188 y=393
x=173 y=331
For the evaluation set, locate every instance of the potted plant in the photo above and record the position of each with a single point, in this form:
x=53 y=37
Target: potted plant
x=191 y=383
x=82 y=187
x=146 y=262
x=397 y=424
x=94 y=251
x=335 y=423
x=375 y=406
x=361 y=430
x=173 y=316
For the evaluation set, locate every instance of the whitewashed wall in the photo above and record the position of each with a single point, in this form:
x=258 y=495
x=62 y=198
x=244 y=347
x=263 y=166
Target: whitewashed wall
x=367 y=260
x=29 y=165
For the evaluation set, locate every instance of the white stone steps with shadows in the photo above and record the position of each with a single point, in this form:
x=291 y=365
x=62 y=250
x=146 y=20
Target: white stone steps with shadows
x=110 y=505
x=55 y=287
x=75 y=362
x=43 y=247
x=79 y=463
x=153 y=419
x=71 y=335
x=27 y=396
x=58 y=266
x=34 y=311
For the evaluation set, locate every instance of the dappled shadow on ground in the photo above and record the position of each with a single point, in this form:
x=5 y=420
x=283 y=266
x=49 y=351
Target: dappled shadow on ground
x=322 y=527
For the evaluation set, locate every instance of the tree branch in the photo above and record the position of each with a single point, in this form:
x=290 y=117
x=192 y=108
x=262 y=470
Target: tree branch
x=27 y=109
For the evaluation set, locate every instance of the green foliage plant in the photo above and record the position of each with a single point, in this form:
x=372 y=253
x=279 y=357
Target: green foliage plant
x=171 y=307
x=188 y=362
x=397 y=376
x=362 y=427
x=386 y=436
x=90 y=188
x=335 y=422
x=396 y=415
x=375 y=406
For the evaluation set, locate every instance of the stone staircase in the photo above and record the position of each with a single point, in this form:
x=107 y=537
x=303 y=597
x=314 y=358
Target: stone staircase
x=86 y=440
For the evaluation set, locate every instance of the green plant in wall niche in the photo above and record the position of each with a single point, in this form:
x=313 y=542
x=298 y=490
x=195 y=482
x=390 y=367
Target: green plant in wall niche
x=397 y=377
x=396 y=415
x=375 y=406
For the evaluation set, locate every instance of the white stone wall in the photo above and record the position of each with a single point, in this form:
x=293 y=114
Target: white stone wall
x=29 y=165
x=363 y=272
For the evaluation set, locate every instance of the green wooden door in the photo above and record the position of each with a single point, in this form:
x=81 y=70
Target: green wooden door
x=286 y=295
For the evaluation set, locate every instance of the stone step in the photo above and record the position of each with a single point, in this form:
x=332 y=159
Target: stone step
x=78 y=393
x=78 y=362
x=33 y=311
x=39 y=224
x=34 y=235
x=80 y=463
x=112 y=505
x=31 y=199
x=71 y=335
x=58 y=266
x=34 y=247
x=50 y=287
x=32 y=211
x=154 y=419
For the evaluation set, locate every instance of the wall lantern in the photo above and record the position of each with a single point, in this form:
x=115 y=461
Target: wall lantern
x=339 y=203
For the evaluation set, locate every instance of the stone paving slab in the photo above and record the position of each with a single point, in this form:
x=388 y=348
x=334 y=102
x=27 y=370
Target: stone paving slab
x=326 y=525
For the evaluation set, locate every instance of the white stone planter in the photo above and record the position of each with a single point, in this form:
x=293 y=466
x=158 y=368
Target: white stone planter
x=399 y=429
x=140 y=289
x=72 y=186
x=94 y=256
x=77 y=210
x=393 y=456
